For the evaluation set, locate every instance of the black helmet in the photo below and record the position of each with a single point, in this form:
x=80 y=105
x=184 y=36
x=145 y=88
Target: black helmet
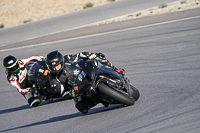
x=55 y=59
x=11 y=64
x=38 y=74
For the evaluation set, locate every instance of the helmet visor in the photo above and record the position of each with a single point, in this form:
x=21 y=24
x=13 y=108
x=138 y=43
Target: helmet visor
x=13 y=68
x=55 y=68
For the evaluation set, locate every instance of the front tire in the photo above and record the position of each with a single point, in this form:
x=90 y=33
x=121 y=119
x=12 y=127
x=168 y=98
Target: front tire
x=115 y=95
x=134 y=93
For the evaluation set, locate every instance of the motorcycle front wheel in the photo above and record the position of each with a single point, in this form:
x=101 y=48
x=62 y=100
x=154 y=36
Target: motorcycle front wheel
x=134 y=92
x=115 y=95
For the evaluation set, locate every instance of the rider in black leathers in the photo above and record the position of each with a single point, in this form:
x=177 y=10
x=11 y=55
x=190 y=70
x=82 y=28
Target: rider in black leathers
x=38 y=76
x=59 y=76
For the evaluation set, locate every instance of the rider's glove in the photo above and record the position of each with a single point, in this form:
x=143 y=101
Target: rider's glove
x=23 y=91
x=54 y=83
x=92 y=56
x=101 y=56
x=73 y=93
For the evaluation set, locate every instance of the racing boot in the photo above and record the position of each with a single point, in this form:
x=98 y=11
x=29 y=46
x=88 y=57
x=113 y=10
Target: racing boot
x=120 y=71
x=83 y=104
x=102 y=59
x=105 y=104
x=67 y=95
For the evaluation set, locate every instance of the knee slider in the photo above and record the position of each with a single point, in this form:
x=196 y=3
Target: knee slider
x=55 y=85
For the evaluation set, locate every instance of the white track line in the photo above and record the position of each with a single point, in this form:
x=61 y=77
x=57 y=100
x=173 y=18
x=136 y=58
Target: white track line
x=110 y=32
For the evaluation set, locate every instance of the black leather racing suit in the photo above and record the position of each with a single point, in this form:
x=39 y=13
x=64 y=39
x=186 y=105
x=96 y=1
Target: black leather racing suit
x=60 y=80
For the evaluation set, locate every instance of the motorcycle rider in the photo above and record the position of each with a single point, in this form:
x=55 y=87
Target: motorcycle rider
x=59 y=76
x=17 y=76
x=38 y=76
x=98 y=56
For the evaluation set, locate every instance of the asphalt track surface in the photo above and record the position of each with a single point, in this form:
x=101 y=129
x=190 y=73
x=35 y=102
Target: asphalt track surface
x=162 y=60
x=74 y=20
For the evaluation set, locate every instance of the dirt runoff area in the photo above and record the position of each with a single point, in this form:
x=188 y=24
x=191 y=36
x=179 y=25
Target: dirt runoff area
x=179 y=5
x=16 y=12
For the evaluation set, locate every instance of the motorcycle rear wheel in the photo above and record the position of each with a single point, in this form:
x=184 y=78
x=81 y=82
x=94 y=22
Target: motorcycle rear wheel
x=115 y=95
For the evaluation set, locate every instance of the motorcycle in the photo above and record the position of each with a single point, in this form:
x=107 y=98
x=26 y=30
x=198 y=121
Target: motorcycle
x=38 y=76
x=92 y=80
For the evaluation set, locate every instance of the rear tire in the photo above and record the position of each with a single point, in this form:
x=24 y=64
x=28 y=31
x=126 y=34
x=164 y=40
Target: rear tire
x=115 y=95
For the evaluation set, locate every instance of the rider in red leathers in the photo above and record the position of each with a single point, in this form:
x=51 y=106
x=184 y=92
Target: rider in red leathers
x=17 y=76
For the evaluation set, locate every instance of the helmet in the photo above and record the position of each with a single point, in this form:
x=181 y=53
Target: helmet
x=11 y=64
x=38 y=74
x=55 y=61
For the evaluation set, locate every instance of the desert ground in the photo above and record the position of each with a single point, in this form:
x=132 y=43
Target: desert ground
x=13 y=13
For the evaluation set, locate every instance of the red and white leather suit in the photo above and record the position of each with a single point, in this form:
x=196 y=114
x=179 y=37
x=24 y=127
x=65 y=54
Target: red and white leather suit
x=20 y=79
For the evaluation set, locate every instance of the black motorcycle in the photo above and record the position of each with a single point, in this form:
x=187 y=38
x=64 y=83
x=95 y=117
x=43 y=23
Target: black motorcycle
x=90 y=79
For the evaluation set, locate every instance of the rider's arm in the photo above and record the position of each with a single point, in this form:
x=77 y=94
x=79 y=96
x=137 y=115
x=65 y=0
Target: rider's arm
x=89 y=56
x=13 y=81
x=76 y=57
x=71 y=57
x=32 y=58
x=82 y=55
x=97 y=56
